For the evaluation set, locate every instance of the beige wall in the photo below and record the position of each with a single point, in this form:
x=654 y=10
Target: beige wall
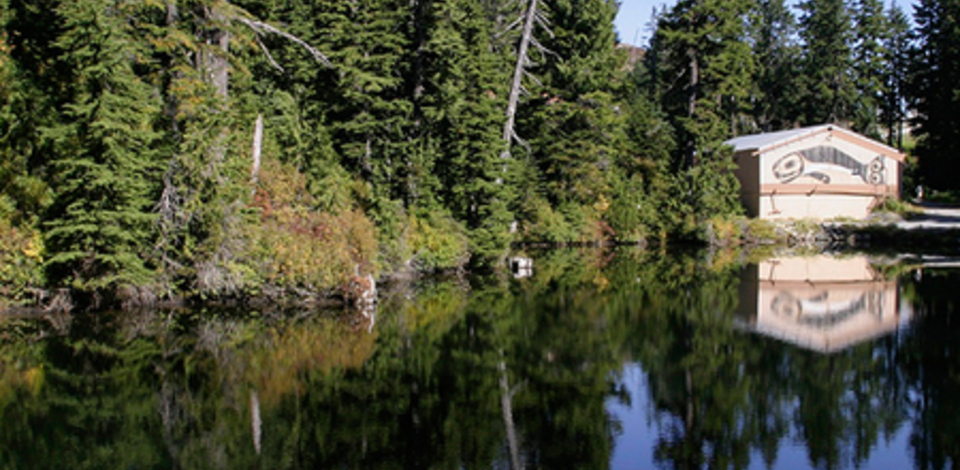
x=816 y=206
x=767 y=194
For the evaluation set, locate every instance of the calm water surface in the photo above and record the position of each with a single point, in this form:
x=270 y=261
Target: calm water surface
x=600 y=360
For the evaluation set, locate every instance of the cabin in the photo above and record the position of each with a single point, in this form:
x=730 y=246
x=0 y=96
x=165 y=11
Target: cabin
x=819 y=172
x=822 y=303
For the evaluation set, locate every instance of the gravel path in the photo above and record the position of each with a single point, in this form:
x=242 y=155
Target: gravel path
x=935 y=216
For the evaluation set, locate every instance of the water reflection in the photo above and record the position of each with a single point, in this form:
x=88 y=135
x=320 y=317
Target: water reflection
x=823 y=303
x=593 y=356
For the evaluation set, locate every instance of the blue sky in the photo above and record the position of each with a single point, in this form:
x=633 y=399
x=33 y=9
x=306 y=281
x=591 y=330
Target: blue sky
x=633 y=20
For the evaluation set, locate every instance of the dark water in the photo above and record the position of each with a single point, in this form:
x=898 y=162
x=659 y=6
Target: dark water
x=599 y=360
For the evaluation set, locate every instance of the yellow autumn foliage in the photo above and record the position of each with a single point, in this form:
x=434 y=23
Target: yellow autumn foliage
x=21 y=260
x=305 y=248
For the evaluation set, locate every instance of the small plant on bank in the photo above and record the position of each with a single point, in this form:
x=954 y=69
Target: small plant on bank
x=896 y=206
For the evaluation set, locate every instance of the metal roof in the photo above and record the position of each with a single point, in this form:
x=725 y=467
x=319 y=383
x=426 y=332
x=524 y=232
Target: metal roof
x=770 y=139
x=759 y=143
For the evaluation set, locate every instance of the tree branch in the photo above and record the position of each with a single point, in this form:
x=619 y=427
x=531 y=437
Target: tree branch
x=262 y=28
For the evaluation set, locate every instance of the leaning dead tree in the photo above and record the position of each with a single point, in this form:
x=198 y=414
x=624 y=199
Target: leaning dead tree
x=531 y=17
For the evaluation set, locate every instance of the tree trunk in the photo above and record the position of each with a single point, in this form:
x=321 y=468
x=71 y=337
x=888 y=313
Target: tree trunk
x=517 y=84
x=257 y=145
x=216 y=70
x=693 y=89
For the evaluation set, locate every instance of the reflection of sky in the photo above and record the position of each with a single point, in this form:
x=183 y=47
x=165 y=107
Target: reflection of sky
x=634 y=446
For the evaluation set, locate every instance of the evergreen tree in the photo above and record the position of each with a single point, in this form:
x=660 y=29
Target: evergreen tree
x=369 y=111
x=936 y=92
x=642 y=188
x=204 y=179
x=870 y=35
x=576 y=127
x=828 y=86
x=33 y=82
x=462 y=111
x=772 y=31
x=707 y=69
x=99 y=225
x=573 y=122
x=896 y=64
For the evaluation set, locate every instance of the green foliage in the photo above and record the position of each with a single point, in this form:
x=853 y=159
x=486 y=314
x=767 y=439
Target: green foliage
x=299 y=248
x=771 y=31
x=435 y=242
x=98 y=226
x=896 y=60
x=21 y=257
x=936 y=92
x=897 y=206
x=126 y=128
x=827 y=87
x=870 y=33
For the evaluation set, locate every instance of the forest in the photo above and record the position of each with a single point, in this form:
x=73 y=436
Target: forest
x=156 y=150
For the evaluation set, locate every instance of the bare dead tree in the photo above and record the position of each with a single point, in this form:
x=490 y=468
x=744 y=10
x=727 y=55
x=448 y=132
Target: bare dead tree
x=532 y=17
x=257 y=145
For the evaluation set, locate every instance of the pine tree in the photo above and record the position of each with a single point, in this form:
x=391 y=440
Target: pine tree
x=828 y=88
x=870 y=34
x=642 y=190
x=772 y=31
x=896 y=62
x=935 y=91
x=575 y=127
x=461 y=106
x=204 y=180
x=33 y=82
x=369 y=111
x=703 y=44
x=99 y=225
x=707 y=69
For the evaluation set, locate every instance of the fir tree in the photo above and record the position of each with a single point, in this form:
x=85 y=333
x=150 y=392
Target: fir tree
x=935 y=91
x=707 y=70
x=576 y=127
x=462 y=111
x=772 y=30
x=870 y=34
x=98 y=228
x=896 y=64
x=369 y=111
x=33 y=81
x=828 y=87
x=703 y=44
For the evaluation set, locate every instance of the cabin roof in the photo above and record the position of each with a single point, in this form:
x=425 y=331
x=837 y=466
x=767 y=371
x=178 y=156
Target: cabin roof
x=760 y=143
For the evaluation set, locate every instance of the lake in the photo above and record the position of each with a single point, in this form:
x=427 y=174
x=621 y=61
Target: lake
x=622 y=359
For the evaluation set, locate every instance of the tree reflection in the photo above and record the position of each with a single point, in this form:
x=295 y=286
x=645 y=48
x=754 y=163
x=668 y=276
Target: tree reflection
x=494 y=373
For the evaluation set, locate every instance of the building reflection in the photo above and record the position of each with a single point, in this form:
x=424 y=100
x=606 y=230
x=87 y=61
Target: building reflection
x=822 y=303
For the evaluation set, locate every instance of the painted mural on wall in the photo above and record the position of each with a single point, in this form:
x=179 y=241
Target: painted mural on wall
x=828 y=165
x=820 y=302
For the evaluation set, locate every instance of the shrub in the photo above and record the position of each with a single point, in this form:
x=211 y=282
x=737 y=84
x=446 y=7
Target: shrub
x=436 y=241
x=20 y=257
x=297 y=246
